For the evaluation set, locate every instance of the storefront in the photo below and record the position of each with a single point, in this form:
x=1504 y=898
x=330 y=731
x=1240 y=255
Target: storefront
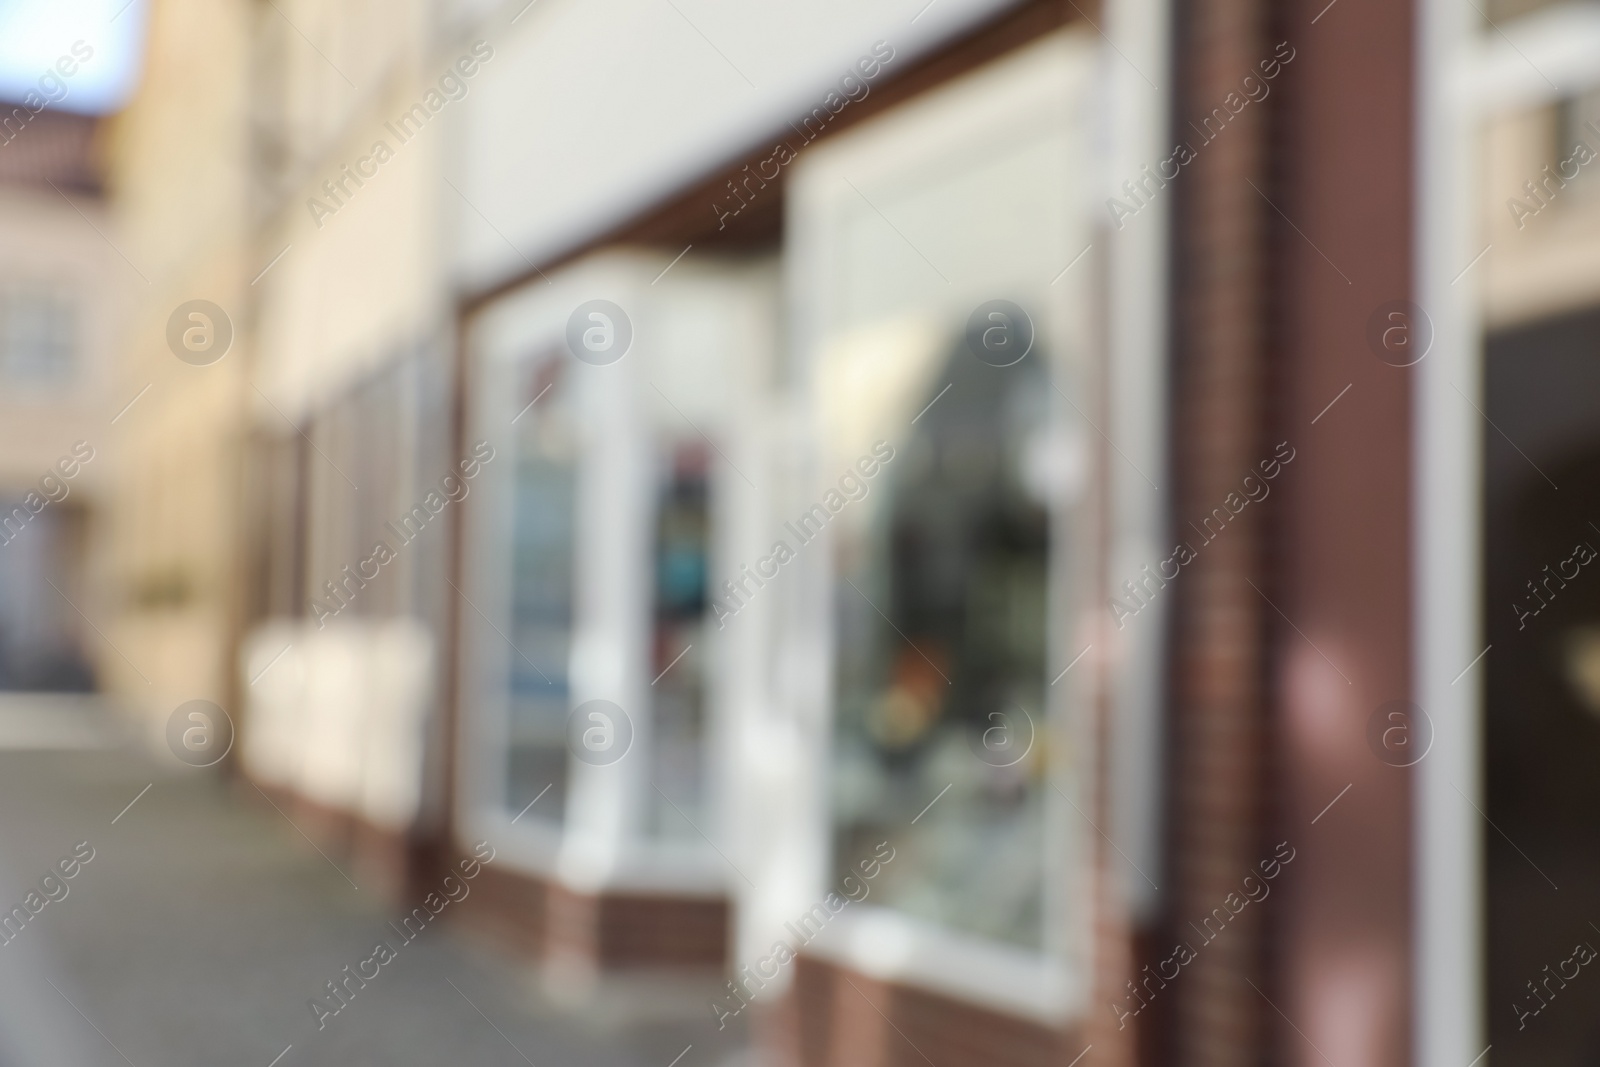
x=868 y=609
x=624 y=405
x=781 y=652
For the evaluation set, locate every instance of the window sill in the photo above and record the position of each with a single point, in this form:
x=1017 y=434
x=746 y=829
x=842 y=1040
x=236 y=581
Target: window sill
x=890 y=946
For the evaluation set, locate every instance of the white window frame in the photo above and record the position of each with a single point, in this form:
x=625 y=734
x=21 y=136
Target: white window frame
x=1466 y=74
x=1042 y=90
x=601 y=844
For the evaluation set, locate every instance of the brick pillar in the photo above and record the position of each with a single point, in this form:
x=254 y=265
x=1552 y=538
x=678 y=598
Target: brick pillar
x=1222 y=391
x=1293 y=624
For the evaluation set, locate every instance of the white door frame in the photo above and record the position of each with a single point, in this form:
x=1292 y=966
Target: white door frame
x=1465 y=75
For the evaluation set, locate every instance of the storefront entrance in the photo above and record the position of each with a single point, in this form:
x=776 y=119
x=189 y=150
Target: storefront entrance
x=1542 y=697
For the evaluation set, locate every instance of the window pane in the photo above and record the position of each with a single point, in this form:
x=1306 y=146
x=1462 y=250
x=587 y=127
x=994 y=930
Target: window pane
x=541 y=603
x=941 y=653
x=678 y=643
x=38 y=335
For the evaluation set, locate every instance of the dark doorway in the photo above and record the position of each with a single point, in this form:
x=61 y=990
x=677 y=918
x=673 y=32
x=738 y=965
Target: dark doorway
x=41 y=563
x=1542 y=752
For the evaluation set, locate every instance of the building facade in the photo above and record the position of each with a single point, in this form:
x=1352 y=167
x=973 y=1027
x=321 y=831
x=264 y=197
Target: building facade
x=987 y=532
x=63 y=297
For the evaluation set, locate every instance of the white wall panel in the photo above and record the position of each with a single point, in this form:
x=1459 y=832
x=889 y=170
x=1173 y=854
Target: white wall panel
x=591 y=110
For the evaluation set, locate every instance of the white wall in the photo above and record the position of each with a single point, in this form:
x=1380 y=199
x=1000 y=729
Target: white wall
x=593 y=109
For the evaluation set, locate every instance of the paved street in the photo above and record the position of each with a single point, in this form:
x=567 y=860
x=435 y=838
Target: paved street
x=202 y=923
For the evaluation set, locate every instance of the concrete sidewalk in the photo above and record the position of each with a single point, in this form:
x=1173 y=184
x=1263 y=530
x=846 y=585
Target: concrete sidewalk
x=204 y=923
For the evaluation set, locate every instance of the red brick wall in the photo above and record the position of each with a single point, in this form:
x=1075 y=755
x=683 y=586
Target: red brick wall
x=835 y=1017
x=538 y=918
x=1271 y=686
x=1222 y=394
x=623 y=930
x=509 y=908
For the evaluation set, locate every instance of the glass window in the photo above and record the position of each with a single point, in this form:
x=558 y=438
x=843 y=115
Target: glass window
x=678 y=644
x=941 y=623
x=364 y=439
x=928 y=240
x=542 y=546
x=38 y=335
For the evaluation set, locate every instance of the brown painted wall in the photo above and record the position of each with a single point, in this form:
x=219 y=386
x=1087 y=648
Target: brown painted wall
x=1346 y=181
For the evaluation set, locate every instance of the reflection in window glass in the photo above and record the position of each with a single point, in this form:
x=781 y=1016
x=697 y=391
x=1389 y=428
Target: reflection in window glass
x=682 y=544
x=541 y=599
x=941 y=659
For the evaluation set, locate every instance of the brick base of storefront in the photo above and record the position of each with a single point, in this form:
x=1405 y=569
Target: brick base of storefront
x=544 y=920
x=533 y=918
x=832 y=1016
